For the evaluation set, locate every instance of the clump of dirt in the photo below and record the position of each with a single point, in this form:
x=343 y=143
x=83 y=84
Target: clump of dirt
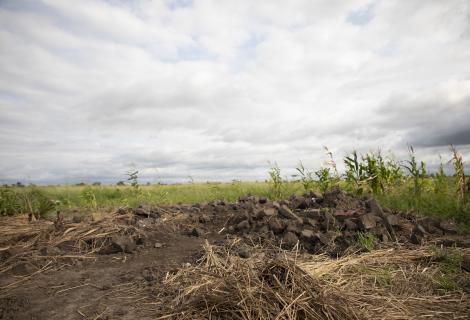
x=331 y=223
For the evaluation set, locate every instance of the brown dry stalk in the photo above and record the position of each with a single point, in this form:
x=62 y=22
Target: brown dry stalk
x=390 y=284
x=225 y=286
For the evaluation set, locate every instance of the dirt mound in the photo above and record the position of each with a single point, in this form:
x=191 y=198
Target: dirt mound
x=330 y=223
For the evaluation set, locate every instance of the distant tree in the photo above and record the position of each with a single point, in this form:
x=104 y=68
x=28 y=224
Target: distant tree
x=19 y=184
x=120 y=183
x=97 y=183
x=80 y=184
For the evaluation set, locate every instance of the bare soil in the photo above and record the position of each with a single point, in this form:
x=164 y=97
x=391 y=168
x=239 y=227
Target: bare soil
x=114 y=267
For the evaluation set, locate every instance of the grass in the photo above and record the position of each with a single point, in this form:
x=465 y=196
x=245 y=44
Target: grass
x=110 y=196
x=449 y=262
x=366 y=241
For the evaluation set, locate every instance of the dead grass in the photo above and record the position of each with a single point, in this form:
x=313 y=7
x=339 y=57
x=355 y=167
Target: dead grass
x=392 y=284
x=383 y=284
x=223 y=286
x=23 y=242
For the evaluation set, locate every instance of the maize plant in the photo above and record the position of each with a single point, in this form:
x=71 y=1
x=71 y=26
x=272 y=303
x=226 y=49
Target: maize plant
x=457 y=161
x=416 y=171
x=440 y=181
x=355 y=172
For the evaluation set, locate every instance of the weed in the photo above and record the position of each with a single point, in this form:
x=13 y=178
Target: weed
x=449 y=260
x=277 y=181
x=367 y=241
x=324 y=179
x=36 y=203
x=89 y=197
x=305 y=177
x=383 y=278
x=9 y=204
x=446 y=283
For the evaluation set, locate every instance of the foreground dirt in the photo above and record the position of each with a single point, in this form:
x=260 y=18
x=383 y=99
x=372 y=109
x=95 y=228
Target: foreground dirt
x=117 y=267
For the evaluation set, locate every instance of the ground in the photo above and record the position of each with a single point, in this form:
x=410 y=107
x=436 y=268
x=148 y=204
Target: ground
x=178 y=261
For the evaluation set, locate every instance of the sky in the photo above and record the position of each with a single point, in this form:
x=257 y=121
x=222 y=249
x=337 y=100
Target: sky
x=216 y=90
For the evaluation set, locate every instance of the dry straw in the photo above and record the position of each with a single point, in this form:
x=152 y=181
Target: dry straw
x=223 y=286
x=22 y=242
x=384 y=284
x=391 y=284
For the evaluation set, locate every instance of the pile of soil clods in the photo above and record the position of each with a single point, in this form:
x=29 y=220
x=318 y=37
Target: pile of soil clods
x=329 y=223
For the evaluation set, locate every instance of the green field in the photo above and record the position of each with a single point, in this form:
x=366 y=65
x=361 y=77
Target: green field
x=405 y=186
x=91 y=198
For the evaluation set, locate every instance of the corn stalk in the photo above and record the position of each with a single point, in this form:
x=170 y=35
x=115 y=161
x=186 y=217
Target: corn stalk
x=457 y=161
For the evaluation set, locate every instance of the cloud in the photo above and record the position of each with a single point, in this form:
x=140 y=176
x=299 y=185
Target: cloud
x=216 y=89
x=432 y=118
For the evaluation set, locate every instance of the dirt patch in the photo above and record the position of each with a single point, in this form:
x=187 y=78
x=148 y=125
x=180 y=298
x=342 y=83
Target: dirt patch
x=146 y=262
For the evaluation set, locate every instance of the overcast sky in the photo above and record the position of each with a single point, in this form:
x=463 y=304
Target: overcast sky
x=216 y=89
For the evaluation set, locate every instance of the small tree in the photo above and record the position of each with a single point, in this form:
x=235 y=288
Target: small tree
x=133 y=177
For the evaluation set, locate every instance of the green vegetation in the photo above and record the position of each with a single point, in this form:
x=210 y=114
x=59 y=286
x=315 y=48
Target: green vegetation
x=404 y=186
x=30 y=200
x=367 y=241
x=449 y=261
x=305 y=177
x=278 y=184
x=96 y=197
x=462 y=188
x=416 y=172
x=133 y=179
